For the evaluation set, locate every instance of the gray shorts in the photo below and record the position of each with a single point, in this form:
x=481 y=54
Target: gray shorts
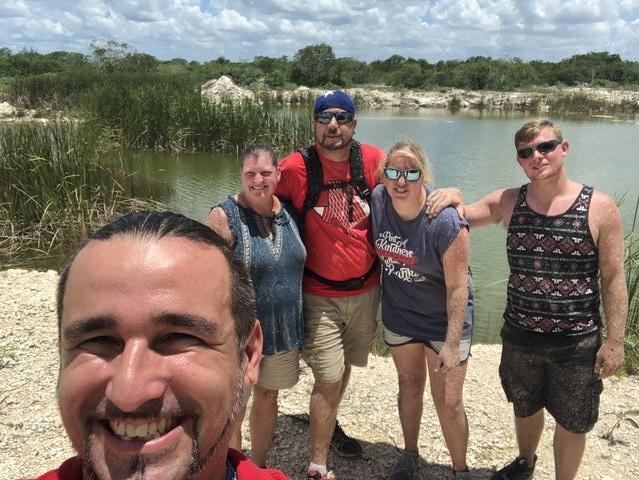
x=393 y=339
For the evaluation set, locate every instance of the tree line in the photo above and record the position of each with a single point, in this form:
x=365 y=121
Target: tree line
x=317 y=66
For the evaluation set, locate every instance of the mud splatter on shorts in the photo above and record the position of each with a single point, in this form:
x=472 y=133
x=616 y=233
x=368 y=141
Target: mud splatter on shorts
x=559 y=378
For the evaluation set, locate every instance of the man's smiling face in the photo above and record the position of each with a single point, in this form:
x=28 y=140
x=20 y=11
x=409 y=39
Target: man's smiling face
x=150 y=373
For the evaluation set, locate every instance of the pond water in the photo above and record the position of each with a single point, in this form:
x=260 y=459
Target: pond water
x=470 y=150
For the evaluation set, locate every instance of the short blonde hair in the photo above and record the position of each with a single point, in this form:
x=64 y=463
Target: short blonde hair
x=530 y=130
x=412 y=150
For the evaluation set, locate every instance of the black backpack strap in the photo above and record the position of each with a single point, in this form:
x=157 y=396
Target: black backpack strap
x=357 y=171
x=315 y=178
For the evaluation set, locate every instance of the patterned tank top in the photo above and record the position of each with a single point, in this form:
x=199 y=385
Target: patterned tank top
x=553 y=285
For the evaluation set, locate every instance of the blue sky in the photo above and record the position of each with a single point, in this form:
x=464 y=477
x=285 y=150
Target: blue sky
x=364 y=29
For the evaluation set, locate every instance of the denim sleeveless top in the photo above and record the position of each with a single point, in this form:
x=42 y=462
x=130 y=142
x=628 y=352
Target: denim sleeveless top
x=553 y=285
x=276 y=267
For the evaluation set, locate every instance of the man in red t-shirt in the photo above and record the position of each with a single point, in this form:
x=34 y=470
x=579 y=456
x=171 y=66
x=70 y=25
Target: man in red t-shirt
x=158 y=339
x=341 y=282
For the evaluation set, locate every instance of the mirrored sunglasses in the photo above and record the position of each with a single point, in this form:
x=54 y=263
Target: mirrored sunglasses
x=543 y=148
x=410 y=175
x=325 y=117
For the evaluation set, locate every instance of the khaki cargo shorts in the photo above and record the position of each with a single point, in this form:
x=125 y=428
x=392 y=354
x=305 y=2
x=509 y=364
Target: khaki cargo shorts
x=279 y=371
x=338 y=331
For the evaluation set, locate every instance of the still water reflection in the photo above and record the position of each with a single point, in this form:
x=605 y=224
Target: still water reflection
x=470 y=150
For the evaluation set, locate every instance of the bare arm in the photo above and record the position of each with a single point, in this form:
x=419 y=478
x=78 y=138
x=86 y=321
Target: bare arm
x=219 y=222
x=494 y=208
x=606 y=225
x=455 y=262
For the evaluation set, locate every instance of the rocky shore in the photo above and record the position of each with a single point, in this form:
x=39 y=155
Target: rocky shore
x=32 y=439
x=380 y=97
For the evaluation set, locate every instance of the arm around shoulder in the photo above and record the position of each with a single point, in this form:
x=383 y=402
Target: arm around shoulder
x=496 y=207
x=441 y=198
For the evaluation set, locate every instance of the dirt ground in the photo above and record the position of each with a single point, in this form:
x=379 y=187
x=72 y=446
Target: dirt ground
x=32 y=439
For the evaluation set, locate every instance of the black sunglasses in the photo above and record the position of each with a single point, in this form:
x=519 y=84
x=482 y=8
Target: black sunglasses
x=342 y=117
x=543 y=148
x=411 y=175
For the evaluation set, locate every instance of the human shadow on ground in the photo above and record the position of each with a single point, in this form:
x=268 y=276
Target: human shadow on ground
x=290 y=453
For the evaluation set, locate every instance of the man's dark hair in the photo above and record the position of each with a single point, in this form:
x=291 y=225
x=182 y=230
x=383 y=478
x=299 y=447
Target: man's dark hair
x=168 y=224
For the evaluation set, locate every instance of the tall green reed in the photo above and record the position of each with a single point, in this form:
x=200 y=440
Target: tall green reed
x=57 y=184
x=59 y=91
x=164 y=114
x=56 y=188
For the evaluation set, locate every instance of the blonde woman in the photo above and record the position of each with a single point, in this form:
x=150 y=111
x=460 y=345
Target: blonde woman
x=427 y=306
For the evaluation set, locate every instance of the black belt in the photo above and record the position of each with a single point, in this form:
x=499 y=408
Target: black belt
x=350 y=284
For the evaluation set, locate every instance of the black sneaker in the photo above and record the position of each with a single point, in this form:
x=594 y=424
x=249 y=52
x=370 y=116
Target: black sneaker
x=344 y=445
x=518 y=469
x=405 y=467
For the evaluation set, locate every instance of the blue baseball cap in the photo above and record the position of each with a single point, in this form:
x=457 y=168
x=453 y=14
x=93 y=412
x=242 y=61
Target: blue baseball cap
x=334 y=99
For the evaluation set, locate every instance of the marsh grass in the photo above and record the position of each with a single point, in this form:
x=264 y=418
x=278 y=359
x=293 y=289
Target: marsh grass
x=583 y=103
x=161 y=111
x=61 y=91
x=632 y=282
x=56 y=189
x=165 y=115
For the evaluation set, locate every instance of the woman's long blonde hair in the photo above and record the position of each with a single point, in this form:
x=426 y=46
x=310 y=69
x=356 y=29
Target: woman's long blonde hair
x=409 y=149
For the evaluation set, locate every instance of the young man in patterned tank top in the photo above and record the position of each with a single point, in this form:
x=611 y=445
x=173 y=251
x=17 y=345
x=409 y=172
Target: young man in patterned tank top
x=565 y=250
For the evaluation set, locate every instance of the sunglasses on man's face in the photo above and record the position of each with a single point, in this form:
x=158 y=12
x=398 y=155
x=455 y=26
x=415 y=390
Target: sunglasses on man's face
x=410 y=175
x=543 y=148
x=342 y=117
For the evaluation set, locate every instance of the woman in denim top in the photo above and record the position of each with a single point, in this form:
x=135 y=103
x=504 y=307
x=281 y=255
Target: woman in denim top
x=263 y=235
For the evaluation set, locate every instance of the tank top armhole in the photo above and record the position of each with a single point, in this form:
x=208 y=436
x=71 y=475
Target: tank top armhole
x=231 y=208
x=589 y=191
x=519 y=203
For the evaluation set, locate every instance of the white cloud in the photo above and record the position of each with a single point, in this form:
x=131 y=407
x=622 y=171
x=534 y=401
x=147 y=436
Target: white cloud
x=138 y=11
x=13 y=9
x=364 y=29
x=233 y=21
